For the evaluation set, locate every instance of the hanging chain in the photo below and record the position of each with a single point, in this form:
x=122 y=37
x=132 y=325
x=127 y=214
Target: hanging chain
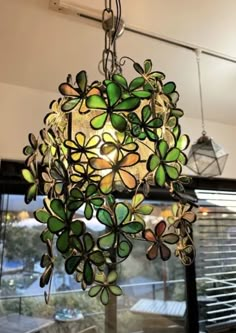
x=198 y=54
x=110 y=25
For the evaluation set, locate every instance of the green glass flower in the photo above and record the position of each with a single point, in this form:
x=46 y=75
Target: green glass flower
x=158 y=238
x=86 y=256
x=112 y=104
x=117 y=168
x=60 y=223
x=90 y=198
x=165 y=163
x=118 y=229
x=105 y=285
x=146 y=127
x=132 y=89
x=80 y=148
x=138 y=209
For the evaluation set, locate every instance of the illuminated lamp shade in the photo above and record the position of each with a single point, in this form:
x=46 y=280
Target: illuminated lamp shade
x=206 y=157
x=99 y=138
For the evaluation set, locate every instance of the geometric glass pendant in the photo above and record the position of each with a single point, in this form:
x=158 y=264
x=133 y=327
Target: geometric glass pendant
x=206 y=157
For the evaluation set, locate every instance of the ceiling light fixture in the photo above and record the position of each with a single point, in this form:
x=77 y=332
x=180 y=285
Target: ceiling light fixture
x=206 y=157
x=100 y=138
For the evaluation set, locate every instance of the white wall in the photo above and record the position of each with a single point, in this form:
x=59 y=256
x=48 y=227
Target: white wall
x=23 y=110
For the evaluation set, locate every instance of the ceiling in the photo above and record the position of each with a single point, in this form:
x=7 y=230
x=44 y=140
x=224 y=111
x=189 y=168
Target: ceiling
x=41 y=46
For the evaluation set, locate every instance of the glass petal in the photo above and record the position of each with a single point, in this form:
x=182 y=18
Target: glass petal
x=141 y=94
x=90 y=190
x=55 y=225
x=88 y=274
x=160 y=176
x=145 y=210
x=63 y=242
x=127 y=179
x=94 y=291
x=129 y=104
x=153 y=162
x=112 y=277
x=124 y=248
x=149 y=235
x=146 y=113
x=183 y=142
x=106 y=183
x=81 y=80
x=88 y=211
x=169 y=88
x=164 y=252
x=133 y=118
x=41 y=215
x=130 y=159
x=98 y=122
x=67 y=90
x=104 y=297
x=137 y=199
x=57 y=207
x=118 y=122
x=77 y=227
x=70 y=104
x=172 y=155
x=93 y=142
x=71 y=264
x=104 y=217
x=107 y=241
x=100 y=164
x=163 y=148
x=113 y=93
x=136 y=83
x=170 y=238
x=88 y=241
x=121 y=212
x=160 y=228
x=172 y=172
x=115 y=290
x=97 y=258
x=96 y=102
x=152 y=252
x=132 y=227
x=147 y=66
x=118 y=78
x=80 y=138
x=28 y=176
x=190 y=217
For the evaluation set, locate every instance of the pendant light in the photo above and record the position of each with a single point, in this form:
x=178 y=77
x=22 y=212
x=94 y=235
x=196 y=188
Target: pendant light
x=98 y=139
x=206 y=157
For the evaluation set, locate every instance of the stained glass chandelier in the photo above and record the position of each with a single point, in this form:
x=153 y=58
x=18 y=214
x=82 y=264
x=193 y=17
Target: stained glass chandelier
x=99 y=139
x=206 y=157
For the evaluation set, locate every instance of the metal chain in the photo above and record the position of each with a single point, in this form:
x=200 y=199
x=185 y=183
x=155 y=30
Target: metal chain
x=110 y=26
x=198 y=53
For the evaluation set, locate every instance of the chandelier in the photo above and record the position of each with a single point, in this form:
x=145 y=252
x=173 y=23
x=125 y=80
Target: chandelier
x=98 y=139
x=206 y=157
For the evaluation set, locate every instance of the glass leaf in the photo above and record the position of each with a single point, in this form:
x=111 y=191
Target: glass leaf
x=141 y=94
x=41 y=215
x=118 y=78
x=169 y=88
x=147 y=65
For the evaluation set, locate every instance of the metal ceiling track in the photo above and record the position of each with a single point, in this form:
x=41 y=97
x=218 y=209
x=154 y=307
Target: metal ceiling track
x=63 y=6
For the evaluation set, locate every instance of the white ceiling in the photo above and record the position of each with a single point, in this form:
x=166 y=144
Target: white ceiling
x=39 y=47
